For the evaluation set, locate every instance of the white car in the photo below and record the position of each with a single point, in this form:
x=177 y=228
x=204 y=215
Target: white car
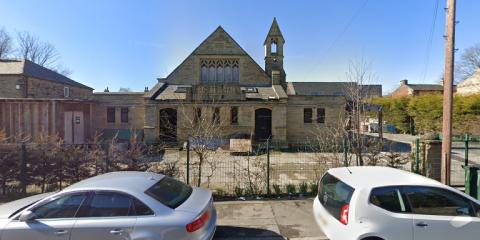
x=375 y=203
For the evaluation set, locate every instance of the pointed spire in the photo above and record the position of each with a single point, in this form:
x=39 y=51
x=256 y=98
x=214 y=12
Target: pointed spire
x=274 y=31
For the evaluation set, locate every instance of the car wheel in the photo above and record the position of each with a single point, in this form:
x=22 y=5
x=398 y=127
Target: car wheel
x=372 y=238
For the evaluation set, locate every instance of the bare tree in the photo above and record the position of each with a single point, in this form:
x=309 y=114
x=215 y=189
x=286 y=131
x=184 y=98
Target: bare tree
x=30 y=47
x=358 y=75
x=469 y=63
x=6 y=44
x=201 y=117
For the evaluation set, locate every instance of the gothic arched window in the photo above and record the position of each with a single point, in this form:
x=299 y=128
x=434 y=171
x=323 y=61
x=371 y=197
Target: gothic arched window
x=228 y=73
x=219 y=74
x=274 y=47
x=211 y=75
x=204 y=74
x=235 y=73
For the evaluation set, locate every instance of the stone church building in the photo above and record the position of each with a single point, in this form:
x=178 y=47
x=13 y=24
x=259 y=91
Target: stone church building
x=218 y=81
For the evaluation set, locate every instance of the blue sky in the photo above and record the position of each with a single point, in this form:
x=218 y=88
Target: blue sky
x=130 y=43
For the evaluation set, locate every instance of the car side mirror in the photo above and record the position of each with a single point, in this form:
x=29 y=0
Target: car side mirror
x=27 y=216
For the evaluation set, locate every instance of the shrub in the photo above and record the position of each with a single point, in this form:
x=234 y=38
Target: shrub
x=277 y=189
x=313 y=187
x=291 y=188
x=238 y=191
x=303 y=187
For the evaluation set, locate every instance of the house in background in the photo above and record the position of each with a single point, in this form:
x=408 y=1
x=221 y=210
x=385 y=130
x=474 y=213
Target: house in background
x=406 y=89
x=36 y=101
x=471 y=85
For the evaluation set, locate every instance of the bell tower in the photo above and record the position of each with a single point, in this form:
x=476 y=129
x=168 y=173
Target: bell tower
x=274 y=55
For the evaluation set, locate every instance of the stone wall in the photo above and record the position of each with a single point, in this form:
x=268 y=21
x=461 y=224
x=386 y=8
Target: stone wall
x=38 y=88
x=297 y=130
x=9 y=84
x=133 y=101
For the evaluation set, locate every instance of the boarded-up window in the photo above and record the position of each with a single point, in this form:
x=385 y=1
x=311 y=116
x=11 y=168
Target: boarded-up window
x=124 y=115
x=320 y=115
x=111 y=114
x=216 y=116
x=234 y=115
x=307 y=115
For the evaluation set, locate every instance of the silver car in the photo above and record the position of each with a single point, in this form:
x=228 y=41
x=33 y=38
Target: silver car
x=113 y=206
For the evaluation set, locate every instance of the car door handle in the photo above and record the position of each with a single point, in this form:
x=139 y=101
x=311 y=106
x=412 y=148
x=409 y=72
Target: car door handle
x=422 y=224
x=60 y=232
x=116 y=231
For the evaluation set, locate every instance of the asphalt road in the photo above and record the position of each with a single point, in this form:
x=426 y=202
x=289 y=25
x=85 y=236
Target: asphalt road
x=283 y=219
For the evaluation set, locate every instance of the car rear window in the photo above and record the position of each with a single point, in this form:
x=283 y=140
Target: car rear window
x=170 y=192
x=333 y=194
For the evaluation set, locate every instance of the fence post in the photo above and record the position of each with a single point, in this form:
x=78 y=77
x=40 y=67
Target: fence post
x=466 y=149
x=417 y=155
x=268 y=167
x=23 y=169
x=188 y=161
x=345 y=152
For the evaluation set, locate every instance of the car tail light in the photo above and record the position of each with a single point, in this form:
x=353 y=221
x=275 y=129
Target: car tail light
x=198 y=223
x=344 y=214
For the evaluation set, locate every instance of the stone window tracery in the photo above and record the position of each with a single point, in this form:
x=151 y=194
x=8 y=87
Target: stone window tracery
x=219 y=71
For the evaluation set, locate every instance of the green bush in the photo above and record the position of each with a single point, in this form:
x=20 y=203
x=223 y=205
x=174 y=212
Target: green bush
x=277 y=189
x=238 y=191
x=291 y=189
x=313 y=187
x=303 y=188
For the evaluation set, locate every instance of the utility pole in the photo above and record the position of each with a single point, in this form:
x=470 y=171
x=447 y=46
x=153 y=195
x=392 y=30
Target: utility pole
x=448 y=92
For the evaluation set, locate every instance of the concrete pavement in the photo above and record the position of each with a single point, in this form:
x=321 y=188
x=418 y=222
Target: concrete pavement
x=265 y=220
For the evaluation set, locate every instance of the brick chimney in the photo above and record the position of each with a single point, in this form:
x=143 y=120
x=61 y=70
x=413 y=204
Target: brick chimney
x=403 y=82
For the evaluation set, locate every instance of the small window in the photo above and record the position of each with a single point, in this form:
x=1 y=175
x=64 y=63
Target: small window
x=211 y=74
x=389 y=198
x=124 y=115
x=219 y=74
x=18 y=86
x=216 y=116
x=320 y=115
x=274 y=47
x=170 y=192
x=228 y=74
x=307 y=115
x=334 y=194
x=111 y=115
x=62 y=207
x=204 y=73
x=437 y=201
x=234 y=115
x=108 y=204
x=235 y=74
x=66 y=92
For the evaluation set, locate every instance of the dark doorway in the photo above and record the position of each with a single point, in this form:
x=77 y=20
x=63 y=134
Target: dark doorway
x=168 y=124
x=263 y=124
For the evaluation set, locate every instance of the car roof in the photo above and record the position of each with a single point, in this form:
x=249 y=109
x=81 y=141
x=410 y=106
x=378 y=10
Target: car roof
x=373 y=176
x=126 y=181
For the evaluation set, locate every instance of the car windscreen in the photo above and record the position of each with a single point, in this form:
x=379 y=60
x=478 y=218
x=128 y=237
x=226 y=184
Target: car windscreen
x=333 y=194
x=170 y=192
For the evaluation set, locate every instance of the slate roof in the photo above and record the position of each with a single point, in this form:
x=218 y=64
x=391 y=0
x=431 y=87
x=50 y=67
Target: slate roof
x=426 y=87
x=30 y=69
x=265 y=93
x=173 y=92
x=274 y=31
x=316 y=88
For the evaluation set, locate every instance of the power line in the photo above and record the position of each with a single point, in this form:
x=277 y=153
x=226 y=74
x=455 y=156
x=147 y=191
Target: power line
x=340 y=35
x=423 y=75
